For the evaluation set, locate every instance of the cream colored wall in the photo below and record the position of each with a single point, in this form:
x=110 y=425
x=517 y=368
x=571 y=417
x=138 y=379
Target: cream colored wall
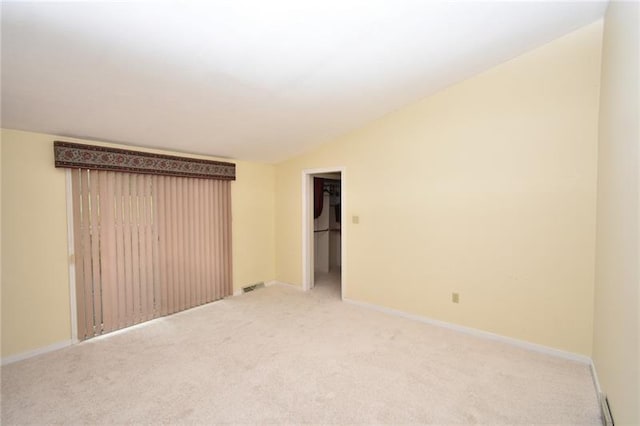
x=486 y=188
x=616 y=336
x=35 y=286
x=253 y=212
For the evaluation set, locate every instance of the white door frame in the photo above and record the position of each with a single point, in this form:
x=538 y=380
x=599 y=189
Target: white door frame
x=307 y=226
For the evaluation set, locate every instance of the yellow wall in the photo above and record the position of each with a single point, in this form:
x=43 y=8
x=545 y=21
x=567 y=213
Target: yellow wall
x=253 y=199
x=486 y=188
x=35 y=286
x=616 y=322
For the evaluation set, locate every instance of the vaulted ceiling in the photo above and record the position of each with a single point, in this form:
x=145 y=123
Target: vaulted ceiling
x=251 y=79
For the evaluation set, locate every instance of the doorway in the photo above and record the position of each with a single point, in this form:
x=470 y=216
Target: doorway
x=323 y=234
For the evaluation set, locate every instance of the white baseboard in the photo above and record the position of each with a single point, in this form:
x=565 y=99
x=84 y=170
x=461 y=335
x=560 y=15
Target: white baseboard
x=605 y=408
x=35 y=352
x=274 y=282
x=478 y=333
x=594 y=376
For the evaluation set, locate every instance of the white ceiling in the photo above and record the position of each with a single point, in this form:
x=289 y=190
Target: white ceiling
x=251 y=79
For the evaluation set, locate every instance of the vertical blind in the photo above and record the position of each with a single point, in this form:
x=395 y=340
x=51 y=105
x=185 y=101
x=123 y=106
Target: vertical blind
x=147 y=246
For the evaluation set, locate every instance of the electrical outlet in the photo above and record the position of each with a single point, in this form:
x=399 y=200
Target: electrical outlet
x=455 y=297
x=355 y=219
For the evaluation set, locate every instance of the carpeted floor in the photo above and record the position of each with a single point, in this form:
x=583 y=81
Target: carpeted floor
x=279 y=355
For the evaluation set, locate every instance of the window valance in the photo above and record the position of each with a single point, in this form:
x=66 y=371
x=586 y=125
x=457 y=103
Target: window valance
x=81 y=156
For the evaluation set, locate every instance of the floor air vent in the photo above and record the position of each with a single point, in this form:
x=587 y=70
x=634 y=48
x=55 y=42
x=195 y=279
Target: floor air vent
x=252 y=287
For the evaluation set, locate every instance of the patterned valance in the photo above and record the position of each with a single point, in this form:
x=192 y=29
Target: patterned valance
x=80 y=156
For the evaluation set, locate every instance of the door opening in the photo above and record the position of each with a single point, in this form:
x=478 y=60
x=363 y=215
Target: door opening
x=323 y=233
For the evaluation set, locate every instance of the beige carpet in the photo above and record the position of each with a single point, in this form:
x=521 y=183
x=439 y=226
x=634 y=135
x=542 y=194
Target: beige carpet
x=279 y=355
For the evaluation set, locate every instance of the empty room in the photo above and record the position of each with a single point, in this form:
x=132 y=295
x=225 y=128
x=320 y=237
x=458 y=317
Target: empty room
x=320 y=212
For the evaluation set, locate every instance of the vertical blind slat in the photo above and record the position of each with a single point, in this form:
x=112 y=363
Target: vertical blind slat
x=94 y=226
x=120 y=256
x=146 y=260
x=195 y=258
x=213 y=224
x=176 y=221
x=173 y=245
x=182 y=284
x=223 y=239
x=188 y=238
x=79 y=260
x=186 y=245
x=227 y=238
x=220 y=239
x=200 y=246
x=135 y=249
x=86 y=253
x=229 y=245
x=107 y=249
x=223 y=242
x=163 y=241
x=207 y=247
x=157 y=287
x=196 y=262
x=178 y=248
x=216 y=248
x=142 y=248
x=126 y=232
